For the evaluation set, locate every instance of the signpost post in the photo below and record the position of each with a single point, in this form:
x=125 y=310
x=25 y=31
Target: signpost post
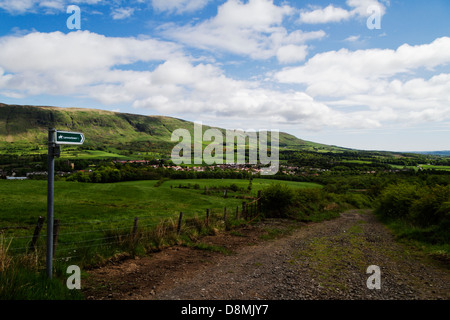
x=55 y=139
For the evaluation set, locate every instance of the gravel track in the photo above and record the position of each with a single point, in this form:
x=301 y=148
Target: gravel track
x=316 y=261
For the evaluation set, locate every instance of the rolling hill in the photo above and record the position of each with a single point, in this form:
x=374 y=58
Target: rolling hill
x=25 y=127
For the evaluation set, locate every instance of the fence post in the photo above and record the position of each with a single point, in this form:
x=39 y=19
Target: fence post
x=244 y=211
x=55 y=235
x=37 y=231
x=225 y=214
x=207 y=217
x=179 y=223
x=135 y=225
x=258 y=202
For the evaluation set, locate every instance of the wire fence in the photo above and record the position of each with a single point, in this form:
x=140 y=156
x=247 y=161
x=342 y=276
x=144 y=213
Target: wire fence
x=78 y=239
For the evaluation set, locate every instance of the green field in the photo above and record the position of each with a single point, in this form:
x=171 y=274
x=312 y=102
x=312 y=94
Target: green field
x=91 y=154
x=430 y=166
x=88 y=211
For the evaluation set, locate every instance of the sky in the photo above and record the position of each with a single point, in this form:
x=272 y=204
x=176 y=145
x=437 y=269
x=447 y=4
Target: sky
x=363 y=74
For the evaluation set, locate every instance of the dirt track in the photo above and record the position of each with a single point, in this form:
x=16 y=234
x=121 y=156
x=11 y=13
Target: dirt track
x=326 y=260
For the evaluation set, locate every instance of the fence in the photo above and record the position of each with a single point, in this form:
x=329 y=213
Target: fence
x=79 y=239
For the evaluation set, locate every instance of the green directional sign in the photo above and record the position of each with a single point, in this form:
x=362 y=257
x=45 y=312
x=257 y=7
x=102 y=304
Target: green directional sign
x=65 y=137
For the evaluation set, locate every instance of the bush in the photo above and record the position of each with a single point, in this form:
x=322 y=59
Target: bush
x=276 y=199
x=308 y=201
x=395 y=200
x=431 y=208
x=422 y=206
x=357 y=200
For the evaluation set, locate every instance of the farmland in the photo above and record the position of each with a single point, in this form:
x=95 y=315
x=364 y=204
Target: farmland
x=86 y=210
x=23 y=201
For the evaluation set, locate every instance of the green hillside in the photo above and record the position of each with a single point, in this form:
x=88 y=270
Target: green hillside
x=24 y=128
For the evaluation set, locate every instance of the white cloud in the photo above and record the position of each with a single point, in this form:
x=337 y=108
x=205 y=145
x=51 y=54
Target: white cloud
x=352 y=38
x=179 y=6
x=325 y=15
x=39 y=63
x=52 y=5
x=381 y=84
x=329 y=14
x=344 y=89
x=347 y=71
x=81 y=50
x=17 y=6
x=360 y=7
x=292 y=53
x=122 y=13
x=253 y=29
x=86 y=64
x=33 y=6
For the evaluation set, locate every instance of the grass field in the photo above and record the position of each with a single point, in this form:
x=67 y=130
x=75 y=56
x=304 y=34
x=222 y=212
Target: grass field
x=92 y=211
x=429 y=166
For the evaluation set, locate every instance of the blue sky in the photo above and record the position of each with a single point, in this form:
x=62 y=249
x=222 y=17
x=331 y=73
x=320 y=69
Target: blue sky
x=310 y=68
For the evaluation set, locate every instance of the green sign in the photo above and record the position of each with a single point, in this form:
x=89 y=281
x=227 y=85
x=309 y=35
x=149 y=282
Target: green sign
x=65 y=137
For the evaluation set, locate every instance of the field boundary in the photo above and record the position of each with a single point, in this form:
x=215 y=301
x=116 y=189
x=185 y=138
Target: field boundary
x=132 y=235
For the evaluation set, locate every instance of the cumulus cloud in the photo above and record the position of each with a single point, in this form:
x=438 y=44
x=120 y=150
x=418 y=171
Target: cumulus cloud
x=340 y=89
x=346 y=71
x=17 y=6
x=383 y=82
x=253 y=29
x=292 y=53
x=38 y=63
x=325 y=15
x=86 y=64
x=330 y=14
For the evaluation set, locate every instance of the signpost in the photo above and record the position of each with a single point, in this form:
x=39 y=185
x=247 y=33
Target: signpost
x=55 y=139
x=65 y=137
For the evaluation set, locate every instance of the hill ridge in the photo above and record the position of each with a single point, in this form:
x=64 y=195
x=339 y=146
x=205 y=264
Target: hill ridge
x=29 y=124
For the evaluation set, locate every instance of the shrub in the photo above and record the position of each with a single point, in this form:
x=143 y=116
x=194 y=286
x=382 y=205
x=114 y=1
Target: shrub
x=357 y=200
x=431 y=207
x=276 y=199
x=396 y=200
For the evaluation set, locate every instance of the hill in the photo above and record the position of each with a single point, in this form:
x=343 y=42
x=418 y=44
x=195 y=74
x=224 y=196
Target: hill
x=26 y=127
x=125 y=136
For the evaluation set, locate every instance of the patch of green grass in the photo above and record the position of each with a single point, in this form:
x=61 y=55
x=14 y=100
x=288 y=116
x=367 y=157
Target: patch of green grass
x=433 y=240
x=357 y=161
x=278 y=232
x=429 y=166
x=356 y=229
x=331 y=256
x=20 y=283
x=91 y=154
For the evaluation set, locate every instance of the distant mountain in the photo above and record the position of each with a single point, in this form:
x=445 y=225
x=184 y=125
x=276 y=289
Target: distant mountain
x=106 y=129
